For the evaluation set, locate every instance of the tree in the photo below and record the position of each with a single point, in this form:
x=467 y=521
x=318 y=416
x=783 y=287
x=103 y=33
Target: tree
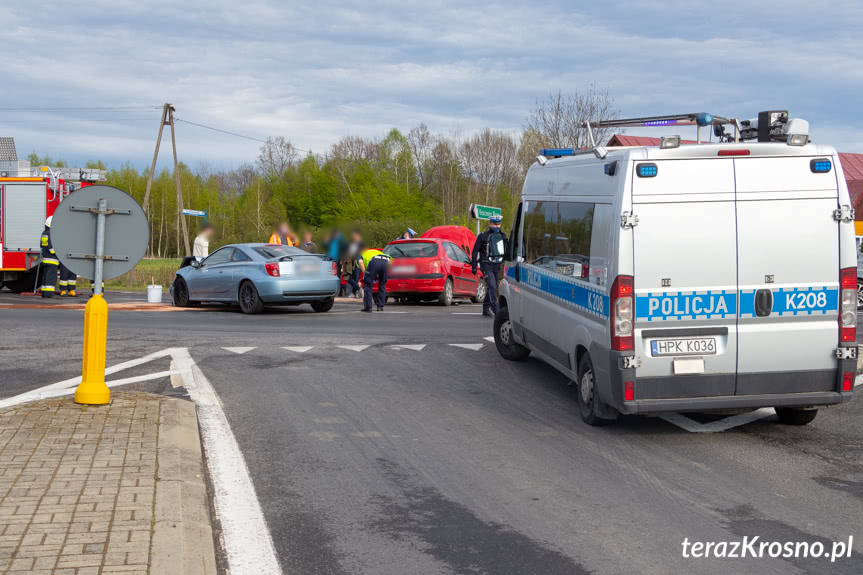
x=276 y=156
x=559 y=118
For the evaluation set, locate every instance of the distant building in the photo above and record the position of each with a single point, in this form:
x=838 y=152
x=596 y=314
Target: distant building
x=8 y=158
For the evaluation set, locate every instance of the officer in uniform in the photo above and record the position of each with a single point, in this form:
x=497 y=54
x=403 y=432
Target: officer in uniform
x=488 y=253
x=49 y=262
x=375 y=265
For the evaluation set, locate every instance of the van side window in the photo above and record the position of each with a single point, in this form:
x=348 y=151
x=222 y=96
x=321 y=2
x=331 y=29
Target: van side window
x=515 y=235
x=557 y=236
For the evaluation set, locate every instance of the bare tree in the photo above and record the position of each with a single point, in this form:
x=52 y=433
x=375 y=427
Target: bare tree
x=276 y=156
x=421 y=142
x=559 y=118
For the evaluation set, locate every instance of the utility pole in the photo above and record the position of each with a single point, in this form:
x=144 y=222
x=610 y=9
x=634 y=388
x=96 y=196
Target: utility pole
x=168 y=120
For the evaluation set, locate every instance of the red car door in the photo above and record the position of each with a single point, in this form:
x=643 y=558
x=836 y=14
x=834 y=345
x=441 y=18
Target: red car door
x=459 y=267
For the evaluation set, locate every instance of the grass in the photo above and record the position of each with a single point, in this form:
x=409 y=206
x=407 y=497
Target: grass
x=148 y=271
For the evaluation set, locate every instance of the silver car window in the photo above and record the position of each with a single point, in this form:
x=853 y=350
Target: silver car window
x=221 y=256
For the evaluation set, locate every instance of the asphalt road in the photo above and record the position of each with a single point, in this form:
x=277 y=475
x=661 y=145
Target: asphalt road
x=447 y=459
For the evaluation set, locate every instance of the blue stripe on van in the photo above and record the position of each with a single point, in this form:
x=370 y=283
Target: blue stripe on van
x=686 y=305
x=812 y=300
x=575 y=292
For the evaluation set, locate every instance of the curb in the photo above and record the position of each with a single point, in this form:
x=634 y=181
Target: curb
x=182 y=541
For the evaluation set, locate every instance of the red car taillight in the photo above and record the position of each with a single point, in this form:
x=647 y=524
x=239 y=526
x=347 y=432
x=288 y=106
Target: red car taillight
x=622 y=314
x=585 y=271
x=848 y=381
x=629 y=391
x=272 y=269
x=335 y=269
x=434 y=266
x=848 y=305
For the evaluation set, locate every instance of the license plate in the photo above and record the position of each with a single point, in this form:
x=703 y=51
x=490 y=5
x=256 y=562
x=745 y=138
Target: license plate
x=683 y=346
x=309 y=269
x=404 y=270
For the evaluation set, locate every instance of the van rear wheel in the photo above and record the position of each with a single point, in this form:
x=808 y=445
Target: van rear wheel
x=587 y=397
x=795 y=416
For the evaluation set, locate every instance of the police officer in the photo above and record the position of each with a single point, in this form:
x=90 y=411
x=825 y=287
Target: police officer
x=375 y=265
x=49 y=262
x=488 y=252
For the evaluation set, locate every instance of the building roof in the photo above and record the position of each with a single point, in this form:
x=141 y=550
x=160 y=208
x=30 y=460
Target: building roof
x=7 y=150
x=625 y=140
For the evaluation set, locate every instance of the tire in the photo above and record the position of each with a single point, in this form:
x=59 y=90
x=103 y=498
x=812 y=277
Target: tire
x=586 y=389
x=859 y=294
x=323 y=305
x=503 y=341
x=445 y=297
x=250 y=302
x=181 y=293
x=480 y=291
x=795 y=416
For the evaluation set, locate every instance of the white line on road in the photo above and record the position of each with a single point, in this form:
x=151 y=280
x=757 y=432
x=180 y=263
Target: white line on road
x=466 y=313
x=412 y=346
x=489 y=338
x=248 y=543
x=238 y=350
x=299 y=348
x=716 y=426
x=471 y=346
x=353 y=347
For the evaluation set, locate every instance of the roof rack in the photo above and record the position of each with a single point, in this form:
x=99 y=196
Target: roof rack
x=699 y=119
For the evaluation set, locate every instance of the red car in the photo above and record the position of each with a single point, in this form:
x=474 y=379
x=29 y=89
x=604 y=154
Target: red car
x=431 y=268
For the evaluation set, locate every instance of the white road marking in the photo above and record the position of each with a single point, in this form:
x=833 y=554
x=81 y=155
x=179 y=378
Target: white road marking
x=413 y=346
x=238 y=350
x=471 y=346
x=248 y=543
x=140 y=378
x=353 y=347
x=466 y=313
x=489 y=338
x=716 y=426
x=298 y=348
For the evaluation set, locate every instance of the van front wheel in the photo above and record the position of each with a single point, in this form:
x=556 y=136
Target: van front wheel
x=503 y=341
x=587 y=398
x=793 y=416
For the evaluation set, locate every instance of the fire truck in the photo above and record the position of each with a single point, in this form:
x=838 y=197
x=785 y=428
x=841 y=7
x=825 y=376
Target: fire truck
x=28 y=195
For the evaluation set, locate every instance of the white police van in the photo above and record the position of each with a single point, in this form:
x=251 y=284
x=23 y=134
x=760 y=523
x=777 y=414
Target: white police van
x=717 y=276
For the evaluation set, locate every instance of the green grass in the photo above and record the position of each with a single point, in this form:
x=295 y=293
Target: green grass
x=148 y=271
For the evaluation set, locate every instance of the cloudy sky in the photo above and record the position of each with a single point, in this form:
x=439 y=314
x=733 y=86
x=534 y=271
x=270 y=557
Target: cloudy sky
x=315 y=71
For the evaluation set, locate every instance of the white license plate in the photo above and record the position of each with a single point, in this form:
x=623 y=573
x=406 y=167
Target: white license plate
x=309 y=269
x=683 y=346
x=404 y=270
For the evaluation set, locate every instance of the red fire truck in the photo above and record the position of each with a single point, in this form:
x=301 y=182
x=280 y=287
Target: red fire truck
x=27 y=198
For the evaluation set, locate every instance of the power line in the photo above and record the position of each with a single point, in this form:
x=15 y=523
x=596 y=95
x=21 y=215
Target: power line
x=220 y=130
x=90 y=109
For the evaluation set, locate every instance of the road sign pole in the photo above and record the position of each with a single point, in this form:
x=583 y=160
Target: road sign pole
x=92 y=390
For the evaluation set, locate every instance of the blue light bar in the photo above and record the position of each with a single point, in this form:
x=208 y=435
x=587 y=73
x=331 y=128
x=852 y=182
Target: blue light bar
x=556 y=152
x=646 y=170
x=820 y=165
x=704 y=119
x=659 y=123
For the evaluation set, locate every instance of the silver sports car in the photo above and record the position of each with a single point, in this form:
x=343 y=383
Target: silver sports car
x=257 y=275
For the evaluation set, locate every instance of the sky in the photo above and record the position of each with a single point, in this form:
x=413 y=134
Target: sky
x=316 y=71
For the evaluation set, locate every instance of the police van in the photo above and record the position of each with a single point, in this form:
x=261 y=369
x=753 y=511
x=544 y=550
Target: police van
x=702 y=277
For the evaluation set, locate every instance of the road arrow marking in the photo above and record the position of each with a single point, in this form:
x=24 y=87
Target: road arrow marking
x=715 y=426
x=299 y=348
x=353 y=347
x=470 y=346
x=489 y=338
x=238 y=350
x=413 y=346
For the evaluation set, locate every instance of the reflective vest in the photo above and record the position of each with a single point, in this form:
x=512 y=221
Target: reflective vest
x=369 y=254
x=48 y=255
x=281 y=240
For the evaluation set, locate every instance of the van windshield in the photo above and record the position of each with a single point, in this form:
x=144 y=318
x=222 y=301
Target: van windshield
x=411 y=250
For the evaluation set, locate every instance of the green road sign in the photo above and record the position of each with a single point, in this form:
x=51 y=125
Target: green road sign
x=479 y=212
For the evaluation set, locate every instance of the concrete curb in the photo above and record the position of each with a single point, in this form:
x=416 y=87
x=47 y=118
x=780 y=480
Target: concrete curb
x=182 y=541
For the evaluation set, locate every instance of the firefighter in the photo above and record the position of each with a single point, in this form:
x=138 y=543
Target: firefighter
x=49 y=262
x=488 y=252
x=374 y=265
x=68 y=282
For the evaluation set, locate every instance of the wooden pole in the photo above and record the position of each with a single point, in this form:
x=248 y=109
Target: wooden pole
x=155 y=157
x=185 y=231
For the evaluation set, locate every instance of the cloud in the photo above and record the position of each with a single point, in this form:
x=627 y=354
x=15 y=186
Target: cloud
x=314 y=72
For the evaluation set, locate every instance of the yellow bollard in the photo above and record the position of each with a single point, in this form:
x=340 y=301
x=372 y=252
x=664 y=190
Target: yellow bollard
x=92 y=389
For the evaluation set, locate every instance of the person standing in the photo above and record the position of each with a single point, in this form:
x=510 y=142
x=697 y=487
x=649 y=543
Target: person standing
x=201 y=248
x=352 y=257
x=49 y=262
x=375 y=265
x=488 y=252
x=309 y=244
x=68 y=282
x=283 y=236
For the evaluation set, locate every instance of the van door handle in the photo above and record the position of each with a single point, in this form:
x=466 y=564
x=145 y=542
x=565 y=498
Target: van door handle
x=763 y=302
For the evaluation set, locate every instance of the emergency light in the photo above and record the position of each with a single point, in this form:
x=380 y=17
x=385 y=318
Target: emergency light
x=820 y=165
x=556 y=152
x=647 y=170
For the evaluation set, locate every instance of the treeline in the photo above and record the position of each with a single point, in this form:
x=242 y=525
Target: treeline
x=418 y=179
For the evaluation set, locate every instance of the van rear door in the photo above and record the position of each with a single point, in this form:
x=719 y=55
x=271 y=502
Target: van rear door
x=788 y=266
x=685 y=252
